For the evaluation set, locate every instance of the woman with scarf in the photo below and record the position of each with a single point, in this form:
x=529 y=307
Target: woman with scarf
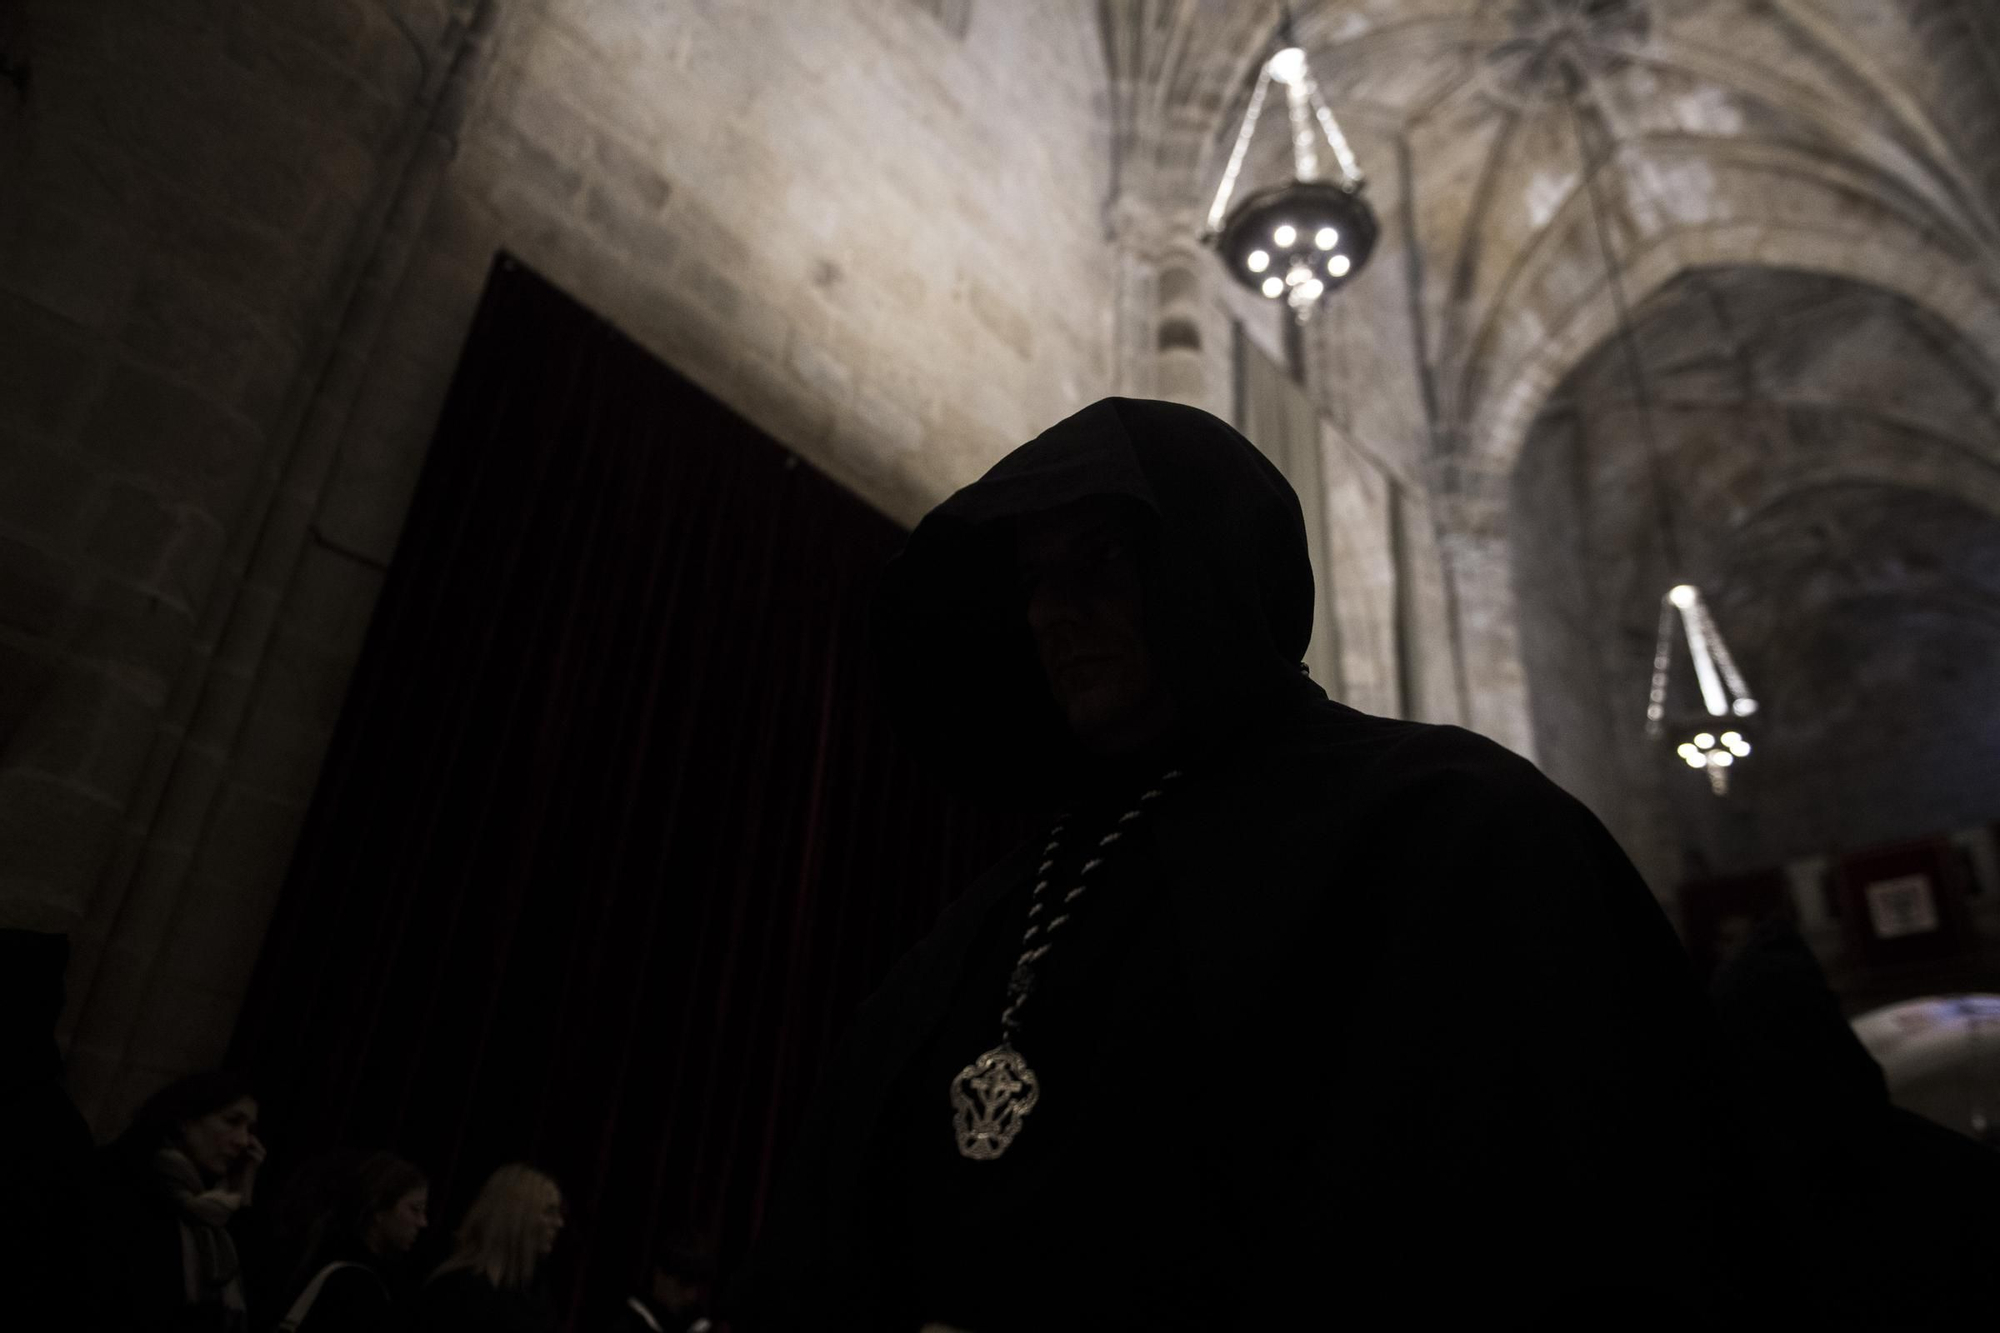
x=179 y=1180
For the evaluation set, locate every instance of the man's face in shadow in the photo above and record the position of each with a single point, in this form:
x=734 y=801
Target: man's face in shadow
x=1085 y=595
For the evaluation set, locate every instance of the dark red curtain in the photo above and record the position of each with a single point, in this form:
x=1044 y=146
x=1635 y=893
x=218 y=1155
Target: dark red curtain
x=612 y=837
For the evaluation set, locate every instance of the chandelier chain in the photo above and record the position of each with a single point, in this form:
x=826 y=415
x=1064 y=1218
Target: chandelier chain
x=1237 y=153
x=1663 y=513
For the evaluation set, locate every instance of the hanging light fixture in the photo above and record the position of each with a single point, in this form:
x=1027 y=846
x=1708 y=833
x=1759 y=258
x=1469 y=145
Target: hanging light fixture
x=1301 y=240
x=1712 y=745
x=1723 y=693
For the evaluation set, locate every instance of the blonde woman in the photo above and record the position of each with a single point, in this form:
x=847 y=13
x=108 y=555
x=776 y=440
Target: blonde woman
x=488 y=1285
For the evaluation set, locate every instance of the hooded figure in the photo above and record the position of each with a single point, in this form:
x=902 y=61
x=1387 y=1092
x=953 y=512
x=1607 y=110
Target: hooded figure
x=1311 y=1017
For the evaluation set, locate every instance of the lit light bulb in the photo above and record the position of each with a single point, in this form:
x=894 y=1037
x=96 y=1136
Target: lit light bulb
x=1288 y=66
x=1732 y=739
x=1298 y=275
x=1722 y=759
x=1745 y=707
x=1313 y=289
x=1687 y=751
x=1683 y=596
x=1338 y=265
x=1258 y=261
x=1327 y=238
x=1695 y=760
x=1285 y=234
x=1743 y=750
x=1705 y=741
x=1274 y=286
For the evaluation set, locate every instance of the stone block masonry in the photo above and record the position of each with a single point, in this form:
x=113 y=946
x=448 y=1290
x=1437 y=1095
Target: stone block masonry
x=234 y=287
x=184 y=186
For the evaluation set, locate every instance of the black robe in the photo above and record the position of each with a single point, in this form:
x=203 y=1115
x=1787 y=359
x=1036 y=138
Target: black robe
x=1375 y=1027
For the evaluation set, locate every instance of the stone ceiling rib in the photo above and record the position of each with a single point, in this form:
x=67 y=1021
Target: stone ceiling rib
x=1914 y=166
x=1924 y=459
x=1945 y=289
x=1766 y=159
x=1187 y=64
x=1907 y=109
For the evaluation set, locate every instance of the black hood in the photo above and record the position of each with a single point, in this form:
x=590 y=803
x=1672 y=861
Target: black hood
x=1229 y=594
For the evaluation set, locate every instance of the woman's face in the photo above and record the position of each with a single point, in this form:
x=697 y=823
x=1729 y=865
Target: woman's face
x=217 y=1141
x=552 y=1223
x=397 y=1227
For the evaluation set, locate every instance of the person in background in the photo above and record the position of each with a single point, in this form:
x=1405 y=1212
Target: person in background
x=489 y=1284
x=677 y=1293
x=366 y=1225
x=178 y=1183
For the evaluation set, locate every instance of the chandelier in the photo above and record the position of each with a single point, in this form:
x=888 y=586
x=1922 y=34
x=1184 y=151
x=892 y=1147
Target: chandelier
x=1297 y=241
x=1723 y=693
x=1713 y=741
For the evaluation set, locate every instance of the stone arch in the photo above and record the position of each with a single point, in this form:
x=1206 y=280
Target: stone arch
x=1768 y=472
x=1498 y=427
x=1957 y=294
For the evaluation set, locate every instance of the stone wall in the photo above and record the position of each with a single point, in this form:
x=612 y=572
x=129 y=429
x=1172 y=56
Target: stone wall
x=240 y=244
x=235 y=287
x=192 y=193
x=853 y=220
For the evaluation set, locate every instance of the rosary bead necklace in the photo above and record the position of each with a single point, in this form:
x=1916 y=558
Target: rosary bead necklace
x=992 y=1096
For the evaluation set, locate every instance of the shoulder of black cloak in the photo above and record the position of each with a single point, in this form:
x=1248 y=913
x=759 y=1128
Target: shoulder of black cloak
x=1518 y=892
x=1447 y=778
x=1490 y=849
x=1786 y=1032
x=1470 y=906
x=1428 y=832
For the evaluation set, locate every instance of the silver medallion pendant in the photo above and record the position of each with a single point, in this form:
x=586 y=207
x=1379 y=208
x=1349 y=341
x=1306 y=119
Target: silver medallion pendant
x=989 y=1100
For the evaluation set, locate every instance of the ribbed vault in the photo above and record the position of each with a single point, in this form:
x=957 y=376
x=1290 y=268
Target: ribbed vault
x=1804 y=199
x=1808 y=133
x=1831 y=453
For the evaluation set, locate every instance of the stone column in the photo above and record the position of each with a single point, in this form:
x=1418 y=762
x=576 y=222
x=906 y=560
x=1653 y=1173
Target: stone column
x=1174 y=334
x=194 y=193
x=1479 y=573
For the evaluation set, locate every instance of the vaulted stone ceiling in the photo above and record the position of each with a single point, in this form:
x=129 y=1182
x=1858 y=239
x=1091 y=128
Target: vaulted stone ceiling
x=1803 y=197
x=1830 y=457
x=1850 y=135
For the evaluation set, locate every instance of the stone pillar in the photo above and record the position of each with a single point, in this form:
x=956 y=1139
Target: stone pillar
x=214 y=859
x=194 y=193
x=1479 y=575
x=1174 y=333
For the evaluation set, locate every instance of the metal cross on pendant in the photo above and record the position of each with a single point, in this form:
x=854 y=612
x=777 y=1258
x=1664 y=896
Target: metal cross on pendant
x=996 y=1080
x=989 y=1099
